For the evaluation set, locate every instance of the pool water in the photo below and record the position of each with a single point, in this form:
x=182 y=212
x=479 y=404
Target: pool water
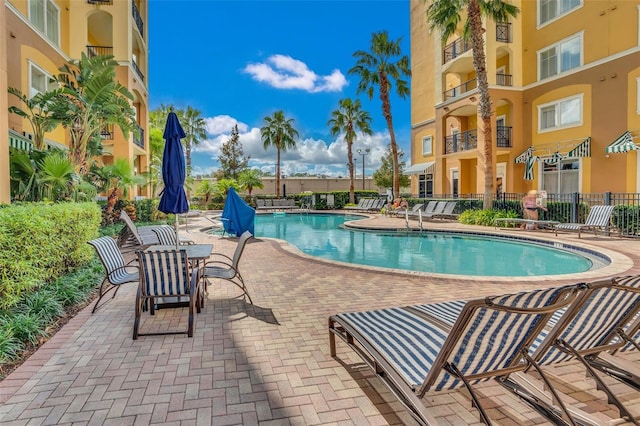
x=446 y=253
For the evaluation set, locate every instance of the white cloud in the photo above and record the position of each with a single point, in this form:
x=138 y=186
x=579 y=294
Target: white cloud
x=223 y=124
x=285 y=72
x=314 y=156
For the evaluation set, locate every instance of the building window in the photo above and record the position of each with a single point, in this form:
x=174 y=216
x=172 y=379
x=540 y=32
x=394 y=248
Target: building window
x=45 y=15
x=562 y=177
x=39 y=81
x=425 y=185
x=563 y=113
x=427 y=145
x=561 y=57
x=552 y=9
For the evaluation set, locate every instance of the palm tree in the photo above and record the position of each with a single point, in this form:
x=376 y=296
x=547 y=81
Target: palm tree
x=280 y=133
x=377 y=69
x=445 y=16
x=195 y=128
x=158 y=117
x=348 y=118
x=116 y=179
x=206 y=189
x=39 y=113
x=92 y=98
x=249 y=179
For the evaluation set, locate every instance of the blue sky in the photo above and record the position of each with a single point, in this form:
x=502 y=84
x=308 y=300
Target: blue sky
x=240 y=61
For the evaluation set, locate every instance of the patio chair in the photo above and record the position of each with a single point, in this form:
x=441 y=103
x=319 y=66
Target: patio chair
x=118 y=271
x=166 y=274
x=135 y=236
x=448 y=345
x=166 y=235
x=599 y=217
x=447 y=212
x=411 y=211
x=587 y=331
x=437 y=210
x=227 y=268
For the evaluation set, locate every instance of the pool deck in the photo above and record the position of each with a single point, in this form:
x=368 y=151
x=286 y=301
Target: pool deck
x=269 y=363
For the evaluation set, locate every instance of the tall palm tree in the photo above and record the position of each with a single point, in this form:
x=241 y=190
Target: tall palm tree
x=92 y=98
x=377 y=68
x=195 y=128
x=349 y=118
x=279 y=133
x=115 y=180
x=445 y=16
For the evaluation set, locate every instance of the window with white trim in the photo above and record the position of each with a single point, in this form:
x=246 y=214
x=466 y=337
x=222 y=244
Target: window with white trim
x=427 y=145
x=39 y=80
x=551 y=9
x=45 y=15
x=561 y=57
x=562 y=177
x=562 y=113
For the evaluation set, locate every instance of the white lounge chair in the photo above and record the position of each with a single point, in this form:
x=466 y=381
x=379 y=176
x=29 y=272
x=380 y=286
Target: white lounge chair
x=599 y=218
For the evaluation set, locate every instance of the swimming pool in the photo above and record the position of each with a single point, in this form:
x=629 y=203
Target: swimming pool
x=436 y=252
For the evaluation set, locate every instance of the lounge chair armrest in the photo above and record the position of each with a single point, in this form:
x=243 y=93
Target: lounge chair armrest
x=219 y=264
x=213 y=255
x=127 y=268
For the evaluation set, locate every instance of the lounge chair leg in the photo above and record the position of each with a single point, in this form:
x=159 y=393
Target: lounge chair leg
x=136 y=322
x=453 y=370
x=332 y=339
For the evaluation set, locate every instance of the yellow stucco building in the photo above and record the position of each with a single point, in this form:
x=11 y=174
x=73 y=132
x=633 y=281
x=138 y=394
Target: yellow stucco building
x=39 y=36
x=564 y=80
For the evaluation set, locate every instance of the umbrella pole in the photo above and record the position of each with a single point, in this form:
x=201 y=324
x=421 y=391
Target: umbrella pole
x=177 y=236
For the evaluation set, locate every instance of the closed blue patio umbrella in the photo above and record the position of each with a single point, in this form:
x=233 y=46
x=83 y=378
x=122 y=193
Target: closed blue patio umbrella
x=173 y=199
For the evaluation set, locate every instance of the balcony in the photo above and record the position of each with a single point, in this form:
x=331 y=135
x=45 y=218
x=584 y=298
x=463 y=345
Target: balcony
x=504 y=80
x=107 y=132
x=135 y=67
x=138 y=19
x=503 y=32
x=460 y=90
x=99 y=51
x=455 y=49
x=105 y=2
x=461 y=141
x=138 y=138
x=503 y=137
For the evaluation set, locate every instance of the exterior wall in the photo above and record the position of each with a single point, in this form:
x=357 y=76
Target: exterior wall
x=5 y=196
x=608 y=80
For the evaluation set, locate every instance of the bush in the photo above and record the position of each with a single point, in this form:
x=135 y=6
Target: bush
x=484 y=217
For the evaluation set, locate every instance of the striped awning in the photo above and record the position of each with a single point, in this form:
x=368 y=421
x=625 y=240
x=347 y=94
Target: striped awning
x=420 y=168
x=624 y=143
x=553 y=153
x=582 y=150
x=522 y=158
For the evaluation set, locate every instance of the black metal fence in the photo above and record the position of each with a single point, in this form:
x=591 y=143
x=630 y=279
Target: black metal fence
x=565 y=208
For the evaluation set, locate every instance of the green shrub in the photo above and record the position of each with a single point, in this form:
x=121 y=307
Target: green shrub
x=44 y=305
x=10 y=346
x=26 y=327
x=484 y=217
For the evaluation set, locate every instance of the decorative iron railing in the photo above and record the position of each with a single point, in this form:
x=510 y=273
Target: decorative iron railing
x=503 y=137
x=100 y=1
x=455 y=49
x=137 y=18
x=138 y=138
x=460 y=90
x=107 y=132
x=461 y=141
x=99 y=50
x=135 y=67
x=503 y=32
x=504 y=79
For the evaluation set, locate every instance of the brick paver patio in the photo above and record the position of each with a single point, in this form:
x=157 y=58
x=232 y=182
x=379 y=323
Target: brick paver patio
x=269 y=363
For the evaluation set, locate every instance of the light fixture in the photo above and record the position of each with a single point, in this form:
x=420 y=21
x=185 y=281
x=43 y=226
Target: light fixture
x=472 y=98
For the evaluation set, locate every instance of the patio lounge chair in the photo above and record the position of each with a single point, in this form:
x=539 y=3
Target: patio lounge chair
x=428 y=209
x=118 y=271
x=135 y=236
x=411 y=211
x=448 y=345
x=166 y=235
x=447 y=212
x=588 y=331
x=166 y=274
x=228 y=267
x=599 y=217
x=438 y=210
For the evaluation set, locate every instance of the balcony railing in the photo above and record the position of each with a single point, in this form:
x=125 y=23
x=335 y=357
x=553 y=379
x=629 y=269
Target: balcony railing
x=504 y=79
x=100 y=1
x=460 y=90
x=135 y=67
x=138 y=138
x=503 y=32
x=99 y=50
x=503 y=137
x=455 y=49
x=107 y=132
x=461 y=141
x=138 y=19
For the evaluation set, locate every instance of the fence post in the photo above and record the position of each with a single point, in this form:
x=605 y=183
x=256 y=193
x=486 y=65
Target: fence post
x=575 y=207
x=607 y=198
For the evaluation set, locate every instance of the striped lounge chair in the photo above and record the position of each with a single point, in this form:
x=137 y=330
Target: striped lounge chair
x=599 y=218
x=167 y=274
x=167 y=235
x=589 y=331
x=448 y=345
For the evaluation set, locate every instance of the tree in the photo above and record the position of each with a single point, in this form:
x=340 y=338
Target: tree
x=39 y=112
x=279 y=133
x=445 y=16
x=158 y=116
x=223 y=186
x=385 y=176
x=249 y=179
x=349 y=118
x=115 y=179
x=91 y=99
x=377 y=69
x=206 y=189
x=195 y=130
x=231 y=158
